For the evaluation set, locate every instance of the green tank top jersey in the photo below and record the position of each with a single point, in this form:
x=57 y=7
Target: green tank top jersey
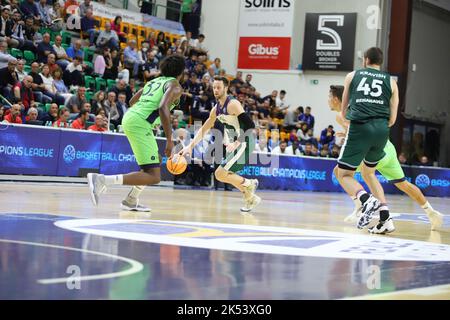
x=370 y=95
x=148 y=104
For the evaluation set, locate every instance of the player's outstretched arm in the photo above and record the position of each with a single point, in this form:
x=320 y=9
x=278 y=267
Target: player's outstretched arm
x=136 y=97
x=172 y=94
x=394 y=103
x=199 y=136
x=346 y=94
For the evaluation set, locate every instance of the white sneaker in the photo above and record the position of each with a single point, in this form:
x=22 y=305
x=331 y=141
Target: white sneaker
x=97 y=186
x=436 y=219
x=251 y=203
x=354 y=216
x=368 y=209
x=127 y=206
x=383 y=227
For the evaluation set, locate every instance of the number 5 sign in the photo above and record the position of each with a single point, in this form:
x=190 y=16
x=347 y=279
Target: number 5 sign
x=329 y=41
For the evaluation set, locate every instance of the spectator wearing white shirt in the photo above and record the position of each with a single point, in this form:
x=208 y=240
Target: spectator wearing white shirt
x=20 y=69
x=4 y=55
x=283 y=149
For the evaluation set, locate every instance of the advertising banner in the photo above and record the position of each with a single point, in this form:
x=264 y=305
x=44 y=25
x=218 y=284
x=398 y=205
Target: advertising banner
x=329 y=41
x=265 y=33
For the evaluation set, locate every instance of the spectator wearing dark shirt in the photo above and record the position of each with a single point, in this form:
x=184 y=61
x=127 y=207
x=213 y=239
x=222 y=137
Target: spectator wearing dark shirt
x=150 y=67
x=6 y=26
x=29 y=8
x=51 y=115
x=307 y=118
x=238 y=82
x=88 y=24
x=8 y=79
x=77 y=101
x=122 y=87
x=327 y=136
x=24 y=94
x=41 y=95
x=44 y=48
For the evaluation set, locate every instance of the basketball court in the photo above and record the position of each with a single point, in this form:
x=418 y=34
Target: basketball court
x=197 y=245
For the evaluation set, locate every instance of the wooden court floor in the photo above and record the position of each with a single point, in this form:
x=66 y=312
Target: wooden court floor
x=39 y=239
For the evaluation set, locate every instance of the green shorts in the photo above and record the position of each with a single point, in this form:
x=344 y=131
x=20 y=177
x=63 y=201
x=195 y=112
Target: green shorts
x=235 y=161
x=142 y=140
x=364 y=142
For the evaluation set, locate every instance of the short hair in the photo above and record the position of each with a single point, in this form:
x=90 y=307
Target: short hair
x=225 y=81
x=32 y=109
x=201 y=36
x=83 y=112
x=308 y=108
x=172 y=66
x=375 y=56
x=63 y=110
x=337 y=91
x=282 y=92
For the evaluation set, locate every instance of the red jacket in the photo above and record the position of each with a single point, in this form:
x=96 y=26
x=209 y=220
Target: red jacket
x=9 y=118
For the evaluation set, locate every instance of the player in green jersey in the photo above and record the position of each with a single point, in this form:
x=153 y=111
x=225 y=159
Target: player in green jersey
x=150 y=106
x=370 y=103
x=389 y=167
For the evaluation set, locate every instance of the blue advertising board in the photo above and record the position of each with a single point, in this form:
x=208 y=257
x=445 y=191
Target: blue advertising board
x=59 y=152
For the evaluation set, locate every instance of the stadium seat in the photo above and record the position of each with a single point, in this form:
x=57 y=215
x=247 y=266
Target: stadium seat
x=98 y=23
x=88 y=54
x=89 y=95
x=65 y=46
x=100 y=84
x=89 y=64
x=103 y=22
x=139 y=42
x=123 y=45
x=89 y=123
x=142 y=31
x=134 y=30
x=29 y=56
x=16 y=53
x=111 y=83
x=47 y=107
x=125 y=27
x=66 y=37
x=27 y=68
x=89 y=82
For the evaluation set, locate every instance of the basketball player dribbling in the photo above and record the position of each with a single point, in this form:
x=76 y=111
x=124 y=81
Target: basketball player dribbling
x=238 y=123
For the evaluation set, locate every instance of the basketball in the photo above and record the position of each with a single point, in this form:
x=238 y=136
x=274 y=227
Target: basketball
x=176 y=164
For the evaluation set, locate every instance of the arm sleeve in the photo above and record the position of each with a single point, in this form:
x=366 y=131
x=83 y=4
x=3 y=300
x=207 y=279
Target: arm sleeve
x=246 y=124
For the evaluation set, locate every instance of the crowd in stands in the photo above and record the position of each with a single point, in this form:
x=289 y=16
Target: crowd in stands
x=85 y=80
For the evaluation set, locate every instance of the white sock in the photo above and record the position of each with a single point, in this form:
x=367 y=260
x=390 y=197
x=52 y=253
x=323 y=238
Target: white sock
x=357 y=203
x=134 y=194
x=112 y=180
x=246 y=183
x=428 y=208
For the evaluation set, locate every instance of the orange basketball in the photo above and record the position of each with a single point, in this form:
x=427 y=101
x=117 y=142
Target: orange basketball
x=176 y=164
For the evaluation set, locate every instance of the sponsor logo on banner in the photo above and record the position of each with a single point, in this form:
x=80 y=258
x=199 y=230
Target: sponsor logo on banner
x=69 y=154
x=329 y=41
x=423 y=181
x=264 y=53
x=260 y=239
x=265 y=32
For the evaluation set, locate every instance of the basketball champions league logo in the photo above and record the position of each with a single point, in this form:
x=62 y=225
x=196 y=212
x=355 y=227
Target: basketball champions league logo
x=423 y=181
x=69 y=154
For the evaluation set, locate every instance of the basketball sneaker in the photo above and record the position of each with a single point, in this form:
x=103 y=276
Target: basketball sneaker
x=128 y=206
x=383 y=227
x=354 y=216
x=251 y=200
x=436 y=219
x=97 y=186
x=368 y=209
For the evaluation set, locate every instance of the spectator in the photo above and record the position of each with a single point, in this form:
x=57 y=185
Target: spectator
x=56 y=17
x=112 y=110
x=18 y=33
x=281 y=102
x=217 y=65
x=44 y=48
x=295 y=148
x=6 y=27
x=200 y=46
x=80 y=122
x=162 y=43
x=99 y=124
x=85 y=7
x=248 y=80
x=76 y=101
x=2 y=113
x=88 y=24
x=283 y=149
x=29 y=29
x=310 y=150
x=63 y=117
x=62 y=59
x=51 y=116
x=98 y=102
x=60 y=85
x=32 y=117
x=111 y=64
x=116 y=27
x=75 y=50
x=424 y=162
x=44 y=12
x=150 y=68
x=121 y=87
x=272 y=98
x=108 y=38
x=131 y=57
x=73 y=75
x=307 y=118
x=327 y=136
x=38 y=86
x=237 y=81
x=20 y=69
x=29 y=8
x=8 y=78
x=4 y=55
x=24 y=93
x=122 y=105
x=403 y=159
x=14 y=115
x=335 y=151
x=261 y=146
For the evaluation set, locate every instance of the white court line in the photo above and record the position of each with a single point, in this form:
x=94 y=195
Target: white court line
x=136 y=266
